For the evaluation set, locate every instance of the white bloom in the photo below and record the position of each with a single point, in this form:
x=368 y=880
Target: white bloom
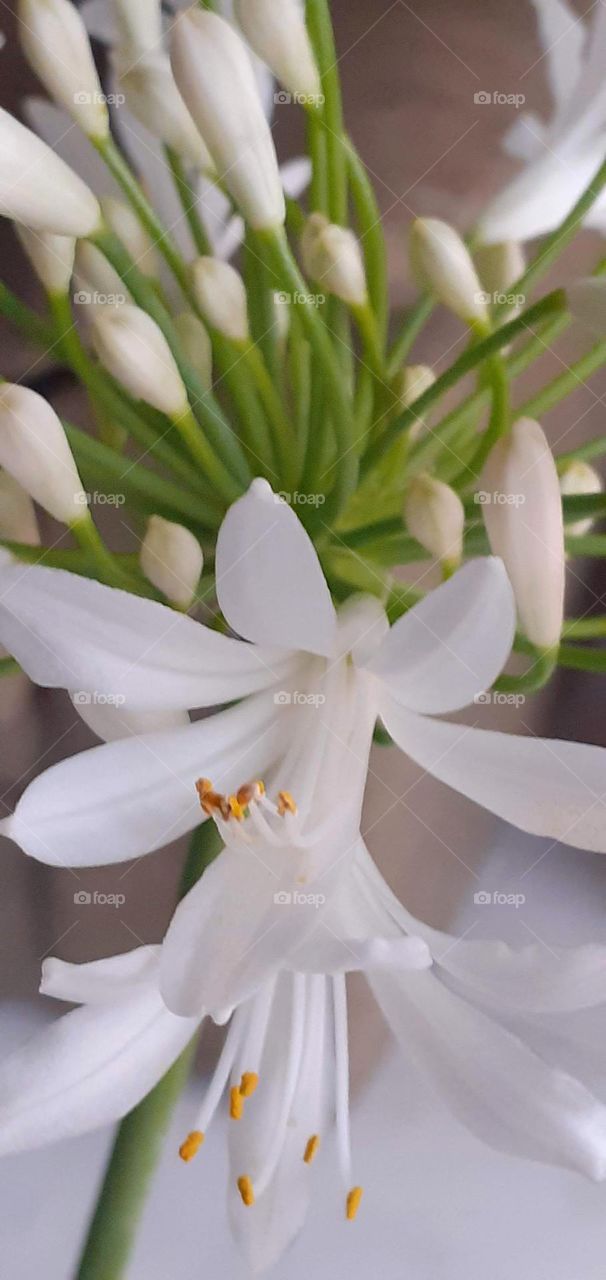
x=435 y=516
x=18 y=521
x=98 y=282
x=580 y=478
x=136 y=353
x=562 y=155
x=139 y=27
x=171 y=558
x=34 y=450
x=523 y=516
x=332 y=256
x=196 y=345
x=52 y=257
x=500 y=265
x=127 y=226
x=221 y=297
x=278 y=34
x=442 y=264
x=37 y=188
x=215 y=77
x=152 y=95
x=56 y=45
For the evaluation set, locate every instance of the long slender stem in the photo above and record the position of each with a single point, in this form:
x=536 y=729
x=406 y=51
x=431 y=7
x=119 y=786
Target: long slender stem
x=188 y=202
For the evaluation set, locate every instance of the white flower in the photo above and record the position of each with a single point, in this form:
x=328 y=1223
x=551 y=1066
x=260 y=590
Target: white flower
x=562 y=155
x=435 y=516
x=135 y=351
x=196 y=345
x=52 y=257
x=221 y=297
x=37 y=188
x=278 y=35
x=442 y=264
x=35 y=450
x=332 y=256
x=123 y=220
x=152 y=96
x=56 y=45
x=171 y=558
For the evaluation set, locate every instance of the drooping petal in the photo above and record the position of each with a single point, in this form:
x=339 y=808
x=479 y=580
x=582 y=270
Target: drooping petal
x=88 y=1069
x=496 y=1086
x=104 y=981
x=542 y=195
x=542 y=785
x=127 y=798
x=452 y=645
x=269 y=581
x=74 y=633
x=111 y=722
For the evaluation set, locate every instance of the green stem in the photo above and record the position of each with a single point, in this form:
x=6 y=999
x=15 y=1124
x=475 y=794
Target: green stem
x=138 y=1144
x=25 y=320
x=319 y=24
x=188 y=202
x=585 y=628
x=8 y=667
x=578 y=659
x=535 y=678
x=413 y=324
x=372 y=238
x=283 y=430
x=110 y=571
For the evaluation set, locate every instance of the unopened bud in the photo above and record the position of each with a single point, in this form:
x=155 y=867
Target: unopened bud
x=333 y=258
x=123 y=220
x=221 y=297
x=56 y=44
x=580 y=478
x=172 y=560
x=278 y=35
x=152 y=95
x=98 y=282
x=38 y=189
x=522 y=509
x=196 y=346
x=136 y=353
x=139 y=27
x=410 y=383
x=443 y=265
x=35 y=452
x=18 y=521
x=435 y=516
x=215 y=76
x=52 y=257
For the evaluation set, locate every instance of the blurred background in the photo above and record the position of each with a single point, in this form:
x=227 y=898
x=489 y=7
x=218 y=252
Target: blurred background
x=438 y=1205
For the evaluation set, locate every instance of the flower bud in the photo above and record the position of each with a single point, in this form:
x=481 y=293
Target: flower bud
x=587 y=303
x=435 y=516
x=35 y=451
x=522 y=510
x=443 y=265
x=123 y=220
x=18 y=521
x=196 y=346
x=38 y=188
x=214 y=74
x=136 y=353
x=139 y=28
x=580 y=478
x=221 y=297
x=410 y=383
x=57 y=47
x=333 y=258
x=152 y=96
x=278 y=35
x=500 y=265
x=172 y=560
x=98 y=282
x=51 y=256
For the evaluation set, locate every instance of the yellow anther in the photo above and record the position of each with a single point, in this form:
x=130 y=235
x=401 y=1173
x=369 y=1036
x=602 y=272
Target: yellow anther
x=353 y=1203
x=235 y=807
x=286 y=803
x=248 y=1083
x=245 y=1187
x=236 y=1103
x=311 y=1149
x=261 y=786
x=191 y=1146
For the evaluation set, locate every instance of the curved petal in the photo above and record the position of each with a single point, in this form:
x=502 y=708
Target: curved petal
x=270 y=584
x=496 y=1086
x=452 y=645
x=541 y=196
x=88 y=1069
x=127 y=798
x=564 y=38
x=74 y=633
x=110 y=722
x=296 y=176
x=542 y=785
x=104 y=981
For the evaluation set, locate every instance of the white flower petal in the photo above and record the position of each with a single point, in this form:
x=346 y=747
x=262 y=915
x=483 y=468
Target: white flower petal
x=104 y=981
x=127 y=798
x=87 y=1069
x=542 y=195
x=496 y=1086
x=326 y=953
x=269 y=581
x=542 y=785
x=296 y=176
x=57 y=129
x=111 y=723
x=74 y=633
x=564 y=38
x=452 y=645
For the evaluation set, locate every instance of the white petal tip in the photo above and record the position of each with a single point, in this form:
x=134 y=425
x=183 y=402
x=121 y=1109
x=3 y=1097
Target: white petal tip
x=262 y=489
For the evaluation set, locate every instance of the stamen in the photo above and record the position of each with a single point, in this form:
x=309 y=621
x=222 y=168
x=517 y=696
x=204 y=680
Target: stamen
x=248 y=1083
x=286 y=804
x=245 y=1187
x=191 y=1146
x=211 y=801
x=235 y=808
x=311 y=1150
x=353 y=1203
x=236 y=1103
